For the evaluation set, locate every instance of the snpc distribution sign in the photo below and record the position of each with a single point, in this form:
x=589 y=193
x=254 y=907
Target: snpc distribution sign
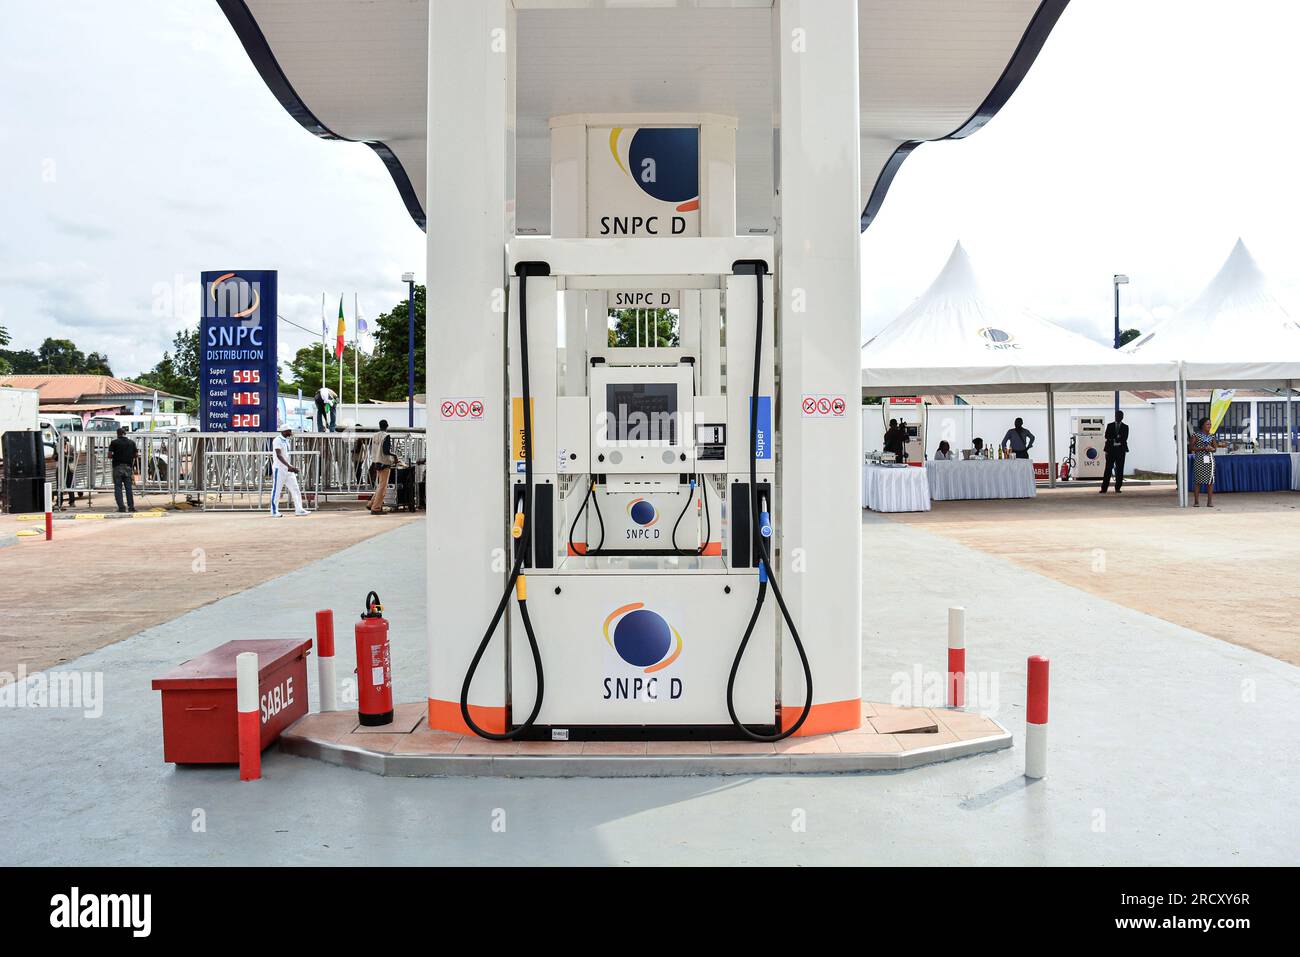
x=238 y=369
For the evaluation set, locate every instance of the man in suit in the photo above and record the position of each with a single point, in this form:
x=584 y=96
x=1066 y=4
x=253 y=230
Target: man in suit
x=1116 y=449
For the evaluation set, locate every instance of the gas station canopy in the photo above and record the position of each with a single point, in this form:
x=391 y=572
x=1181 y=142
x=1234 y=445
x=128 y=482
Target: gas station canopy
x=929 y=70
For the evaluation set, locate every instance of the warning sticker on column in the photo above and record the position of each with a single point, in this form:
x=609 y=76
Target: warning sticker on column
x=824 y=406
x=460 y=409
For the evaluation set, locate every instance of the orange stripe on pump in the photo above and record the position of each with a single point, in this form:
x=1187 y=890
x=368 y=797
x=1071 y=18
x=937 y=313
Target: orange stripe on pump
x=825 y=717
x=712 y=548
x=689 y=206
x=578 y=548
x=445 y=716
x=671 y=658
x=615 y=613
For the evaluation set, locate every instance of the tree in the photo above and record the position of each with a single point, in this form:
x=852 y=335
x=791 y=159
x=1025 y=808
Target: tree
x=384 y=373
x=1128 y=335
x=177 y=373
x=644 y=327
x=55 y=357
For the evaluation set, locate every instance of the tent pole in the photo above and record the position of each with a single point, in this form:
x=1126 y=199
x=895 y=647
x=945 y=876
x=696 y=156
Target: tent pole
x=1180 y=425
x=1290 y=417
x=1051 y=437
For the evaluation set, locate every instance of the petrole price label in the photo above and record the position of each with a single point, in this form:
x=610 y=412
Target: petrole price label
x=824 y=406
x=460 y=409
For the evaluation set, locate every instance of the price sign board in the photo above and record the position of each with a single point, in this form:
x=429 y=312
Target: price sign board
x=238 y=371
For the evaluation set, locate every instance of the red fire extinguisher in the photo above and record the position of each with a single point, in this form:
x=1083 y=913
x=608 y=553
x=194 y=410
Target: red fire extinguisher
x=374 y=666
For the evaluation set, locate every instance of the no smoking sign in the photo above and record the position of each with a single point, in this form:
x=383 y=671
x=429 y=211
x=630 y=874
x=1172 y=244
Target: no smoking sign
x=457 y=409
x=824 y=406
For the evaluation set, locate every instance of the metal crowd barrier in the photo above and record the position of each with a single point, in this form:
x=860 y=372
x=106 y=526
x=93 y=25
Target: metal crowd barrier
x=223 y=470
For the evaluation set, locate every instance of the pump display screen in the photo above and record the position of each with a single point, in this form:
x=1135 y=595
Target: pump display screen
x=642 y=411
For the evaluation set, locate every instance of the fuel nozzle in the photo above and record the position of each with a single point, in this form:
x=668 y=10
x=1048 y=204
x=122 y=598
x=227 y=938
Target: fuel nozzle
x=764 y=519
x=517 y=530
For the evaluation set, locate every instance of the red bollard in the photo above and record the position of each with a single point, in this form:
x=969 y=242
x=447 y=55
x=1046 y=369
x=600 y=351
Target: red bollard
x=49 y=511
x=956 y=684
x=325 y=670
x=249 y=716
x=1036 y=718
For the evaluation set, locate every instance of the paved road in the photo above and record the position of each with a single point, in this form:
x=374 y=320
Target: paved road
x=1168 y=747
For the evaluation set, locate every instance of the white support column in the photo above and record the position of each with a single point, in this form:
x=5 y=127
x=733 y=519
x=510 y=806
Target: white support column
x=1290 y=416
x=819 y=335
x=1180 y=427
x=470 y=195
x=1051 y=437
x=575 y=343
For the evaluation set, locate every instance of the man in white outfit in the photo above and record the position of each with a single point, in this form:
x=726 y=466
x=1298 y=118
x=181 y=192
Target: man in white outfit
x=284 y=475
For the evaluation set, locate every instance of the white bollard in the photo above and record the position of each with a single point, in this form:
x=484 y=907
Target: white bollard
x=250 y=726
x=955 y=686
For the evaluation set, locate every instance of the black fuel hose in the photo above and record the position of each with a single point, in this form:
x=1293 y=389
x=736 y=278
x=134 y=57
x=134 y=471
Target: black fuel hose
x=589 y=497
x=766 y=576
x=522 y=531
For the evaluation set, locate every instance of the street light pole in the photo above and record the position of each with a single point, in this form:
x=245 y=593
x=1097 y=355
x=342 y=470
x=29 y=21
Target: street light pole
x=1117 y=280
x=409 y=279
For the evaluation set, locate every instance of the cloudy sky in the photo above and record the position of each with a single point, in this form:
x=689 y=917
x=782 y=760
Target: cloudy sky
x=1147 y=137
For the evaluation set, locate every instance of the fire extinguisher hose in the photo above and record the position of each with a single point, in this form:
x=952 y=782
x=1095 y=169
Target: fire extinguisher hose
x=521 y=531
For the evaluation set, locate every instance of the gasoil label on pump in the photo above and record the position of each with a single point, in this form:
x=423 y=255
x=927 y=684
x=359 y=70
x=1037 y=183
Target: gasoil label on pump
x=643 y=182
x=517 y=443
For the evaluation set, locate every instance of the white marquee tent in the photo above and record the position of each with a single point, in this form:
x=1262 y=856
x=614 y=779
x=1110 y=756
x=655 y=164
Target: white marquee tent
x=954 y=337
x=1234 y=334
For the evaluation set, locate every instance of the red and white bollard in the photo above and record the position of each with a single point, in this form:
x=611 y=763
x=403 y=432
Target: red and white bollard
x=1036 y=718
x=49 y=511
x=250 y=727
x=955 y=688
x=325 y=660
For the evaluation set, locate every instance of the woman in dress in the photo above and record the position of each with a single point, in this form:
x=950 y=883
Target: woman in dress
x=1203 y=445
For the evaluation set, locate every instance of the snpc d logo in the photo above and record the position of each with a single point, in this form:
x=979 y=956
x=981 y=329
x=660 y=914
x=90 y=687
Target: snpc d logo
x=643 y=516
x=643 y=638
x=998 y=338
x=233 y=297
x=665 y=166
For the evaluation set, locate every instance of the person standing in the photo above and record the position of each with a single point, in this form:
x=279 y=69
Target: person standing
x=382 y=459
x=1019 y=440
x=1202 y=445
x=284 y=474
x=124 y=456
x=1116 y=446
x=895 y=444
x=326 y=409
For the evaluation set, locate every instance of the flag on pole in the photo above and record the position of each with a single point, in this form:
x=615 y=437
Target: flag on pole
x=1219 y=403
x=342 y=331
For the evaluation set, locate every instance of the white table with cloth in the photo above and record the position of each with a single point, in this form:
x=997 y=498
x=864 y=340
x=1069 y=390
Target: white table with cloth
x=981 y=478
x=894 y=488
